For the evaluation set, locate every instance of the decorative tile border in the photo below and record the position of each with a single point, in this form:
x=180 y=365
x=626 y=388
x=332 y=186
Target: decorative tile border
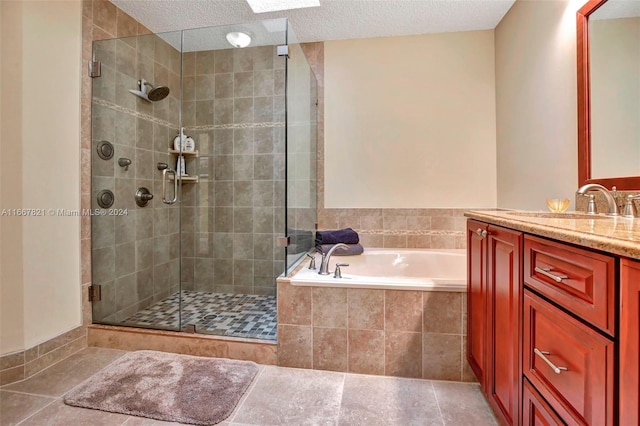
x=137 y=114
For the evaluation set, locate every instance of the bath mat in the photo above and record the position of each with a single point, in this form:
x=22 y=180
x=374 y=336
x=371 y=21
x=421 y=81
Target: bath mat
x=169 y=387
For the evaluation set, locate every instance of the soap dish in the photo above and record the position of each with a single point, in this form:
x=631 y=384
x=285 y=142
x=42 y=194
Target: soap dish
x=558 y=205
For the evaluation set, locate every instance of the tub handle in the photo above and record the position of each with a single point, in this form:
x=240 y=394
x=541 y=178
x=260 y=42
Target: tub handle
x=338 y=273
x=312 y=262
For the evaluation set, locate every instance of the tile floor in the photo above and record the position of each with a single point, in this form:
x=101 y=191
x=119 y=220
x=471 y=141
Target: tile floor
x=278 y=396
x=222 y=314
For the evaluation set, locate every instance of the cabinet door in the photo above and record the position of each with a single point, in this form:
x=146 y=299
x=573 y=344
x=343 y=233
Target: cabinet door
x=504 y=339
x=629 y=342
x=535 y=410
x=476 y=297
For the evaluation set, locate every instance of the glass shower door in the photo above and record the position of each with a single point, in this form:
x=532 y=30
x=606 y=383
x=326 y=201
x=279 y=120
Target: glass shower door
x=301 y=125
x=233 y=108
x=135 y=236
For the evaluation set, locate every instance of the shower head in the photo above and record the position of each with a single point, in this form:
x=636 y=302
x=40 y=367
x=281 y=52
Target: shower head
x=155 y=94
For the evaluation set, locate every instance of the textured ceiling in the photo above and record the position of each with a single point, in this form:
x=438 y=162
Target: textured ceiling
x=333 y=20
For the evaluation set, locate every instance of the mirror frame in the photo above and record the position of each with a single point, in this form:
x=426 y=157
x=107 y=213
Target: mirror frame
x=626 y=183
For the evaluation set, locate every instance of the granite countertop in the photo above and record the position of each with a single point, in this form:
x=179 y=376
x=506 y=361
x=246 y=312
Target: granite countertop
x=617 y=235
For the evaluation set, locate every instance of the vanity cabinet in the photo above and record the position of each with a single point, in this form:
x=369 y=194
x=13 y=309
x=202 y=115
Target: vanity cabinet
x=494 y=339
x=552 y=329
x=629 y=342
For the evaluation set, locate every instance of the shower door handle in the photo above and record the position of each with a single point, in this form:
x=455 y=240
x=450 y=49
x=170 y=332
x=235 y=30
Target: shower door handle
x=165 y=172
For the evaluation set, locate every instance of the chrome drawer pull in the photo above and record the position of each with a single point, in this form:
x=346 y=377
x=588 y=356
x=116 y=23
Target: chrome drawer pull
x=542 y=354
x=546 y=273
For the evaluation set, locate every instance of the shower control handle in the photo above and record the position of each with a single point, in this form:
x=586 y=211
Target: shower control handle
x=143 y=196
x=166 y=172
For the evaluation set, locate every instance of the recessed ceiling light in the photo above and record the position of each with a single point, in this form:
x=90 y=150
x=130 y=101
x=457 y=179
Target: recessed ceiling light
x=238 y=39
x=261 y=6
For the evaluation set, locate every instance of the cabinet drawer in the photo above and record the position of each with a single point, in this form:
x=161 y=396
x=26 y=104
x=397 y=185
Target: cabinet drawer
x=580 y=386
x=535 y=410
x=579 y=280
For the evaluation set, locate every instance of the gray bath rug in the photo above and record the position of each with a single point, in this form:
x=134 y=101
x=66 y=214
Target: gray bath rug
x=169 y=387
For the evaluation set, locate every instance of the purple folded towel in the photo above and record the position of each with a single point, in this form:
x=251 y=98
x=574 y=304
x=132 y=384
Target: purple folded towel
x=354 y=249
x=346 y=236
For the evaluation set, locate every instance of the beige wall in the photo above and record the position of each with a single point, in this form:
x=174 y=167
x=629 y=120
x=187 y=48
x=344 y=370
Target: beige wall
x=410 y=122
x=536 y=103
x=42 y=151
x=11 y=284
x=615 y=96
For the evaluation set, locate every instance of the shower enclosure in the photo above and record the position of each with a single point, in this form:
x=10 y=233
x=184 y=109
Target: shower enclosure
x=203 y=177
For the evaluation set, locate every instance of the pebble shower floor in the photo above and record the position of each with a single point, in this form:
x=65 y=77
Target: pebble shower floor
x=237 y=315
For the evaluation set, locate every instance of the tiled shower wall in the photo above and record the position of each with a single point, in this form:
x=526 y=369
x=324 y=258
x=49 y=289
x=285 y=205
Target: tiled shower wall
x=233 y=107
x=390 y=228
x=136 y=250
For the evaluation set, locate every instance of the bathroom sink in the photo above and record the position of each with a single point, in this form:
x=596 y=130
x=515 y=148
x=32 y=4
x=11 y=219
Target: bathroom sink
x=550 y=215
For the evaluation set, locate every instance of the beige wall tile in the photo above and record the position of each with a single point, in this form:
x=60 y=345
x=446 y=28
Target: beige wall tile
x=403 y=310
x=365 y=351
x=442 y=312
x=104 y=16
x=330 y=349
x=13 y=360
x=126 y=26
x=294 y=304
x=467 y=373
x=442 y=356
x=366 y=309
x=11 y=375
x=329 y=307
x=403 y=354
x=295 y=346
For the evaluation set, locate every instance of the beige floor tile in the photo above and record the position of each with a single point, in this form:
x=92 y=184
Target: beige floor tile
x=59 y=414
x=63 y=376
x=141 y=421
x=463 y=404
x=15 y=407
x=292 y=397
x=369 y=400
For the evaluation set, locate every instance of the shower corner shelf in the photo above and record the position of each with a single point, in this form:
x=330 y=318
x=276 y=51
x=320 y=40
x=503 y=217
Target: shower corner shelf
x=187 y=179
x=185 y=153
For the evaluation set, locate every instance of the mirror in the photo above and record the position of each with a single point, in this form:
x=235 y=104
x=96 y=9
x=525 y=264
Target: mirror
x=608 y=46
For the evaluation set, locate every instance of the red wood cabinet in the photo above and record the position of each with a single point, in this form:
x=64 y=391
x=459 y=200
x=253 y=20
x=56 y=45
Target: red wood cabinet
x=504 y=307
x=476 y=297
x=570 y=364
x=535 y=410
x=494 y=303
x=629 y=385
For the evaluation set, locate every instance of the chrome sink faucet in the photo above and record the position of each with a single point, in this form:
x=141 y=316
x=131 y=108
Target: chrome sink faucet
x=324 y=265
x=612 y=207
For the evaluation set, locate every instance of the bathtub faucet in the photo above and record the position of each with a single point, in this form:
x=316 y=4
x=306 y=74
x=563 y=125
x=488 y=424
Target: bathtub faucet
x=324 y=265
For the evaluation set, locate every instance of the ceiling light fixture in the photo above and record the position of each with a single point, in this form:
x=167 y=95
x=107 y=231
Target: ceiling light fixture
x=262 y=6
x=238 y=39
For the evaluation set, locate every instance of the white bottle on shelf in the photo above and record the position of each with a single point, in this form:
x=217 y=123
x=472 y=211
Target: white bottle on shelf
x=181 y=169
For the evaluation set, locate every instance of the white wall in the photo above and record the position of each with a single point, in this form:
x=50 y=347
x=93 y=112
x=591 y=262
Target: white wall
x=410 y=122
x=48 y=89
x=536 y=103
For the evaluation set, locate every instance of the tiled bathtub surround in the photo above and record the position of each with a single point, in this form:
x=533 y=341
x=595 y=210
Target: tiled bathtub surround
x=400 y=228
x=385 y=332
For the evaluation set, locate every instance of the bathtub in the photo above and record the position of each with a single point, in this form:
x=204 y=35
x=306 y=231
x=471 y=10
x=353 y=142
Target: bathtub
x=394 y=269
